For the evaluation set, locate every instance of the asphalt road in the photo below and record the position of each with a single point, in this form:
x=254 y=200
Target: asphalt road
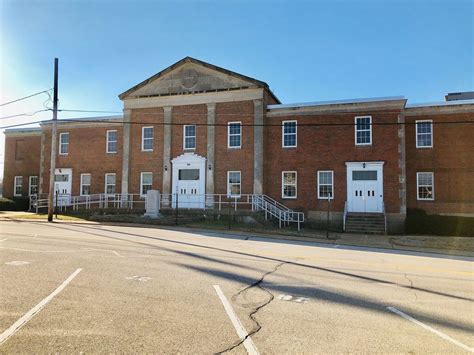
x=96 y=288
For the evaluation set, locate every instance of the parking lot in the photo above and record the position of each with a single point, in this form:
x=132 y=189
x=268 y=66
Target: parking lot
x=68 y=287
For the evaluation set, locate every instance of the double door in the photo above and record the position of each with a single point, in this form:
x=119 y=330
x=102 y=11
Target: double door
x=189 y=194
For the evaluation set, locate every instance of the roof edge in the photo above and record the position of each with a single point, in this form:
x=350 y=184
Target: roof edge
x=336 y=102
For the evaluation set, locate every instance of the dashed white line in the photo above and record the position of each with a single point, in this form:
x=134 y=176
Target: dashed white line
x=427 y=327
x=36 y=309
x=241 y=332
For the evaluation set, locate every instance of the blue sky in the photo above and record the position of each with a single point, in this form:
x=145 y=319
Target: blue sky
x=305 y=51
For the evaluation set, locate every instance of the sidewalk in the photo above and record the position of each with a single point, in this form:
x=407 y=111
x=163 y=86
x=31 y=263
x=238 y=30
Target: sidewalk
x=449 y=245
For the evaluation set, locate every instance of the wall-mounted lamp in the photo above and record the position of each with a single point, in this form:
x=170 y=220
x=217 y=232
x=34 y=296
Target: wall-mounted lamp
x=363 y=165
x=166 y=167
x=209 y=167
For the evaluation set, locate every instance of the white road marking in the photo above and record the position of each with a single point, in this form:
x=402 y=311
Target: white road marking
x=116 y=253
x=241 y=332
x=337 y=246
x=139 y=278
x=3 y=240
x=427 y=327
x=17 y=263
x=296 y=299
x=36 y=309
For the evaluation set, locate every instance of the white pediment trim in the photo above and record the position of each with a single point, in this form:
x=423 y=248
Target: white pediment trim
x=186 y=158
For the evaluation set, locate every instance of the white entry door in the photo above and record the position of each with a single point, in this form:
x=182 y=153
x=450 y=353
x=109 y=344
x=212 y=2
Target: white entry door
x=365 y=187
x=189 y=181
x=63 y=186
x=189 y=194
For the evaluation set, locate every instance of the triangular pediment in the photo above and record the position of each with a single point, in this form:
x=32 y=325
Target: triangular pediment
x=190 y=75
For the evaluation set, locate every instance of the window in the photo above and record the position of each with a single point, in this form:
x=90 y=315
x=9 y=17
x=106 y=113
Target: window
x=111 y=142
x=86 y=184
x=110 y=183
x=424 y=134
x=33 y=190
x=363 y=130
x=188 y=174
x=146 y=180
x=234 y=134
x=325 y=184
x=289 y=134
x=18 y=186
x=147 y=139
x=189 y=137
x=64 y=143
x=364 y=175
x=233 y=183
x=288 y=184
x=425 y=186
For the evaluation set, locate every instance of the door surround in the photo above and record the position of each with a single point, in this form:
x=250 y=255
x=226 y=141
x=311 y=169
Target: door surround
x=189 y=161
x=367 y=166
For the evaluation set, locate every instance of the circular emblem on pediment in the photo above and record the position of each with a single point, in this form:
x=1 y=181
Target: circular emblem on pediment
x=190 y=78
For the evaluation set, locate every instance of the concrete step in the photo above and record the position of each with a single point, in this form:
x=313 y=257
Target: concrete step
x=365 y=223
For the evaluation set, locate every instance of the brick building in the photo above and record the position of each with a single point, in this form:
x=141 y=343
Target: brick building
x=197 y=129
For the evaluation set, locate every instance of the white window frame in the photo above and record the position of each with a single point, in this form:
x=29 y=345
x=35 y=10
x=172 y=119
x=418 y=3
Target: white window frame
x=233 y=135
x=416 y=134
x=15 y=185
x=229 y=194
x=283 y=134
x=152 y=139
x=283 y=184
x=355 y=130
x=105 y=183
x=30 y=185
x=141 y=182
x=90 y=181
x=432 y=186
x=61 y=144
x=184 y=137
x=332 y=184
x=110 y=141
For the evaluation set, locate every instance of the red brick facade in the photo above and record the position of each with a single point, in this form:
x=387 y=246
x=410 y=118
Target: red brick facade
x=325 y=141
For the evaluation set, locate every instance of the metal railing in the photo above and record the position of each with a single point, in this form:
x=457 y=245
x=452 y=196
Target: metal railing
x=256 y=203
x=384 y=217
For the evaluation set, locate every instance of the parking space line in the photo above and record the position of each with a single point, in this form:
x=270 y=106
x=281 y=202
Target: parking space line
x=427 y=327
x=36 y=309
x=241 y=332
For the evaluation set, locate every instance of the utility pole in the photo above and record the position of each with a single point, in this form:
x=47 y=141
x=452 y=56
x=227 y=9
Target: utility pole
x=54 y=142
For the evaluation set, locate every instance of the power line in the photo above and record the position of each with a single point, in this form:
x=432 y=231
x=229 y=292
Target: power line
x=24 y=98
x=23 y=114
x=242 y=124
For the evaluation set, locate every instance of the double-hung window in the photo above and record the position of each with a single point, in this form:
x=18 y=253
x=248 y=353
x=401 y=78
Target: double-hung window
x=33 y=186
x=189 y=136
x=425 y=186
x=147 y=139
x=424 y=134
x=64 y=143
x=289 y=134
x=111 y=142
x=86 y=184
x=234 y=135
x=325 y=185
x=110 y=183
x=146 y=182
x=363 y=130
x=233 y=183
x=18 y=186
x=288 y=184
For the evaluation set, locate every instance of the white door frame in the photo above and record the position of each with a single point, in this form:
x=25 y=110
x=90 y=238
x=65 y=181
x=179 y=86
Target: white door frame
x=65 y=199
x=189 y=161
x=371 y=165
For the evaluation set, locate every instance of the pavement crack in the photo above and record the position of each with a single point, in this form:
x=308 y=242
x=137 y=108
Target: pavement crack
x=257 y=326
x=411 y=285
